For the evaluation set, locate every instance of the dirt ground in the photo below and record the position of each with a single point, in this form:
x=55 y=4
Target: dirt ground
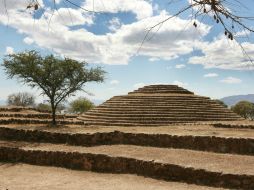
x=187 y=129
x=29 y=177
x=186 y=158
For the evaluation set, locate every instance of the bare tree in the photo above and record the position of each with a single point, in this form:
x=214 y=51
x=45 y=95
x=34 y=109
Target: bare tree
x=24 y=99
x=229 y=14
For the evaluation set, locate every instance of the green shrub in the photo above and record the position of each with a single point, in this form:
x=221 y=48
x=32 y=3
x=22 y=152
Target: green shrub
x=244 y=109
x=80 y=105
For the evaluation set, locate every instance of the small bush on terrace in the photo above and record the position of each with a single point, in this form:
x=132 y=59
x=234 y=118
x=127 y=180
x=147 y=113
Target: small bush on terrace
x=80 y=105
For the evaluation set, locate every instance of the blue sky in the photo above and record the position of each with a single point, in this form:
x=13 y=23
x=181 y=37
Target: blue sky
x=200 y=59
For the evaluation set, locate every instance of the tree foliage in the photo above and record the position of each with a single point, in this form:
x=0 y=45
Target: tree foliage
x=47 y=107
x=44 y=107
x=81 y=105
x=57 y=78
x=244 y=109
x=23 y=99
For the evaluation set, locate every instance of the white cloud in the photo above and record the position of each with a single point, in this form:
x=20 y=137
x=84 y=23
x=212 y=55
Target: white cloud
x=243 y=33
x=69 y=17
x=211 y=75
x=28 y=40
x=153 y=59
x=114 y=24
x=118 y=47
x=225 y=54
x=111 y=48
x=179 y=83
x=139 y=85
x=180 y=66
x=141 y=8
x=231 y=80
x=114 y=82
x=58 y=1
x=9 y=50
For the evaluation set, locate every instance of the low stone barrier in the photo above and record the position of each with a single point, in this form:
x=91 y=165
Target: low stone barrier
x=36 y=116
x=19 y=109
x=104 y=163
x=37 y=121
x=235 y=126
x=204 y=143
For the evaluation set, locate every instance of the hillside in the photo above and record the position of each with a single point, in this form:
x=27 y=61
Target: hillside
x=232 y=100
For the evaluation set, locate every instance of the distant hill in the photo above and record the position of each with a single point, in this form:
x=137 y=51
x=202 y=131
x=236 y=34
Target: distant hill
x=232 y=100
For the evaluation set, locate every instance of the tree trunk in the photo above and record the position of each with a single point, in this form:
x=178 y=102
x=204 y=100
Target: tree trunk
x=53 y=108
x=54 y=117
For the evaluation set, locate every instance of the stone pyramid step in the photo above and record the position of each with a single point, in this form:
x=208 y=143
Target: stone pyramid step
x=160 y=108
x=163 y=100
x=162 y=89
x=158 y=117
x=165 y=104
x=129 y=109
x=151 y=97
x=201 y=168
x=145 y=122
x=157 y=105
x=172 y=114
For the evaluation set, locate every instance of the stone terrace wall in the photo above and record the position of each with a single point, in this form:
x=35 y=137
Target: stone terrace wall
x=234 y=126
x=104 y=163
x=204 y=143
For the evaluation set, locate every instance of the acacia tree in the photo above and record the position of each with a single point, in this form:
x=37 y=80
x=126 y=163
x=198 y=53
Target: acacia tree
x=56 y=78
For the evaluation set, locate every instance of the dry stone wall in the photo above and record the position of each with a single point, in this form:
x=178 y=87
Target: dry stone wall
x=204 y=143
x=234 y=126
x=104 y=163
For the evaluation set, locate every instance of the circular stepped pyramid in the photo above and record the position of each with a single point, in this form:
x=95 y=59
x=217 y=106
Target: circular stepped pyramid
x=157 y=105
